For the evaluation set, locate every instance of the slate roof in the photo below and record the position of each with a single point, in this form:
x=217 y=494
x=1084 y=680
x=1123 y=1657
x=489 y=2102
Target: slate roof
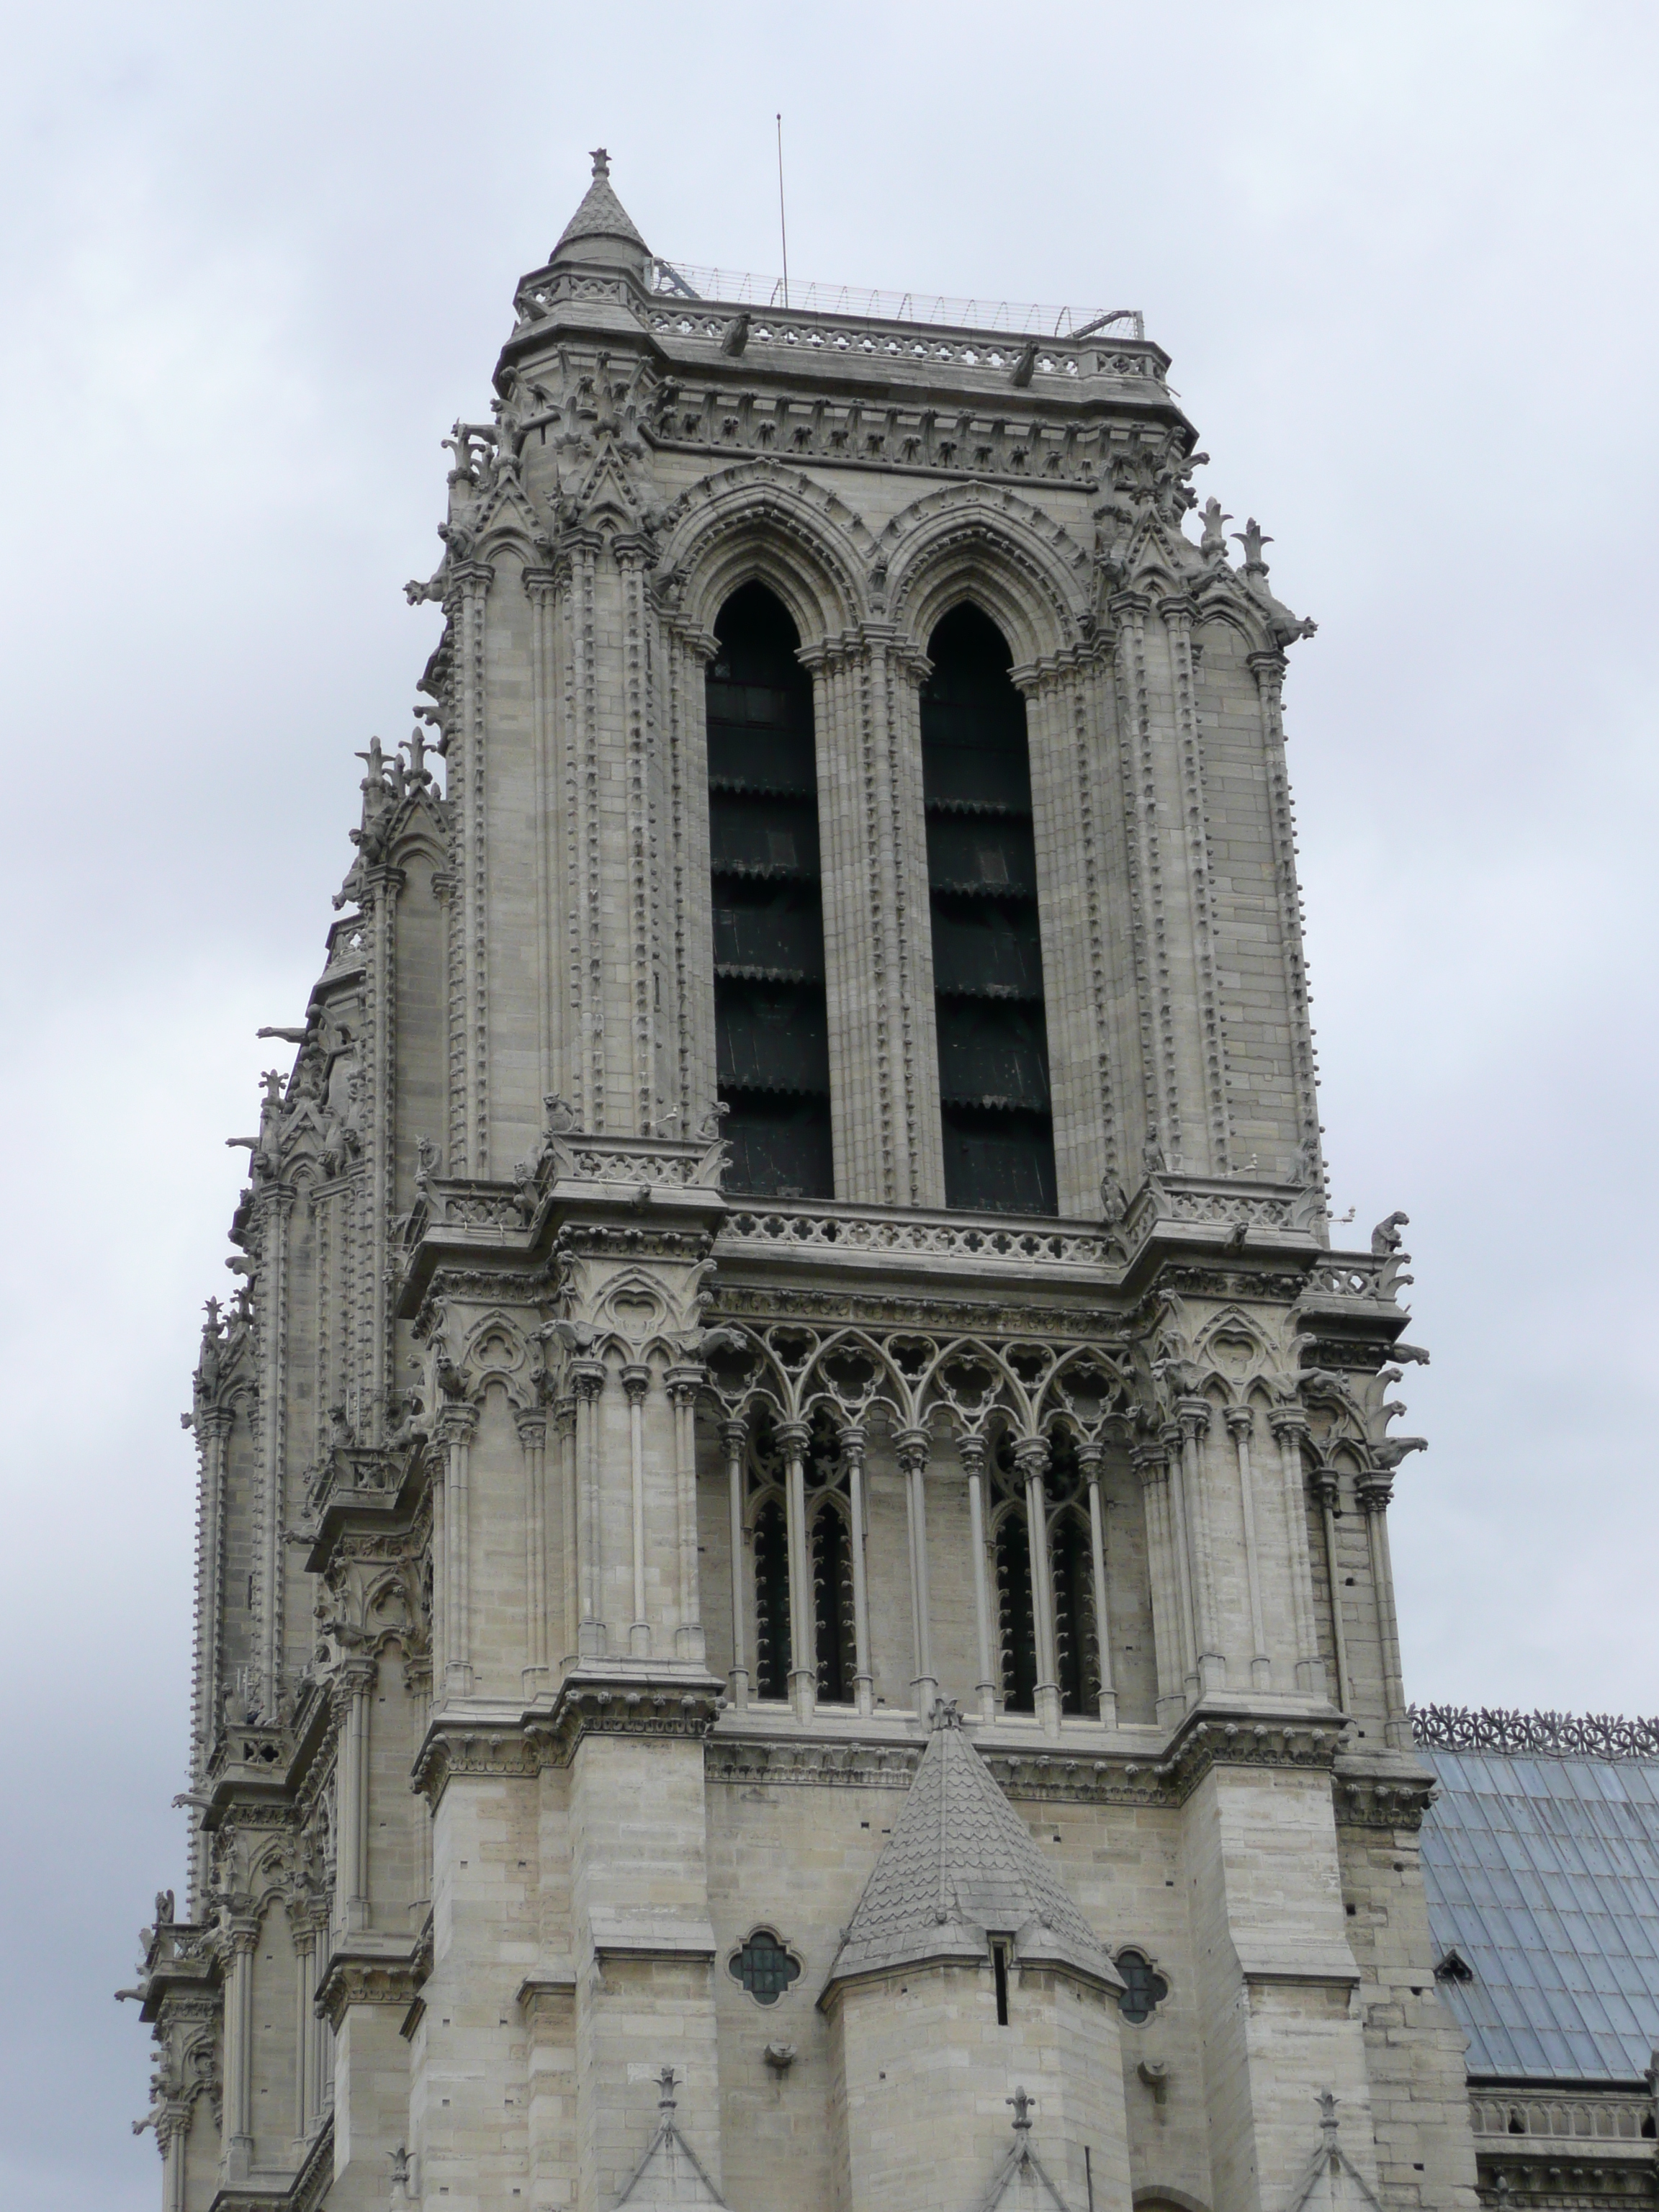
x=1543 y=1873
x=960 y=1865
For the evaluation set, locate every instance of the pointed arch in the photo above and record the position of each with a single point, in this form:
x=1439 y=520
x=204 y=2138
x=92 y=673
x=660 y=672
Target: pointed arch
x=969 y=543
x=759 y=523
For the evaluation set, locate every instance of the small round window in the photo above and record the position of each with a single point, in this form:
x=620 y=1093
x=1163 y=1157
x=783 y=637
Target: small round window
x=764 y=1967
x=1144 y=1988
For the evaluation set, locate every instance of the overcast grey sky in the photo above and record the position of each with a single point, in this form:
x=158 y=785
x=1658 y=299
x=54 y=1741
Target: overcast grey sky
x=255 y=261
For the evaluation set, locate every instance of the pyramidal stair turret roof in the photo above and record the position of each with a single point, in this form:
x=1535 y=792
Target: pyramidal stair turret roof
x=602 y=229
x=960 y=1866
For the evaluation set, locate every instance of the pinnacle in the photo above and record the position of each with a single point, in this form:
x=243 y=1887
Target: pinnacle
x=600 y=219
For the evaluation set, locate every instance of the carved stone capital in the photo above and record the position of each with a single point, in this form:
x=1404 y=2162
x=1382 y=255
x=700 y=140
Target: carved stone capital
x=914 y=1448
x=531 y=1424
x=457 y=1423
x=1090 y=1458
x=1152 y=1463
x=970 y=1451
x=683 y=1384
x=793 y=1437
x=1288 y=1422
x=735 y=1438
x=587 y=1378
x=1192 y=1415
x=637 y=1382
x=1240 y=1419
x=852 y=1441
x=1031 y=1456
x=359 y=1979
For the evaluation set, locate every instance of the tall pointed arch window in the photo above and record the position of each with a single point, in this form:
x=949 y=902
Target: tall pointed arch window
x=987 y=951
x=772 y=1044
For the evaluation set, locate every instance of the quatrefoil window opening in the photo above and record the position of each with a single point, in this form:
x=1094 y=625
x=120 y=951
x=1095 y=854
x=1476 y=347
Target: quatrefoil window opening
x=764 y=1967
x=1144 y=1988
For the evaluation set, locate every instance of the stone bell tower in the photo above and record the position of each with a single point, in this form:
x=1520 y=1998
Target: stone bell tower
x=793 y=1590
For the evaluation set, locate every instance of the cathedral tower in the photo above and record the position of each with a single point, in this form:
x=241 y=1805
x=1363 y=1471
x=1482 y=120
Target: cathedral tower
x=794 y=1606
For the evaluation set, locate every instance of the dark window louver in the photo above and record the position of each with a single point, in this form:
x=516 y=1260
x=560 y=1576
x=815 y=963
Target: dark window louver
x=988 y=948
x=772 y=1049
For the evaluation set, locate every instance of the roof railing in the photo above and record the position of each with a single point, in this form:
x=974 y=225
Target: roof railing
x=1549 y=1735
x=743 y=289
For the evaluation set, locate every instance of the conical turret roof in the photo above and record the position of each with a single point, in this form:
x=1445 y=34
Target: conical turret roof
x=960 y=1866
x=601 y=229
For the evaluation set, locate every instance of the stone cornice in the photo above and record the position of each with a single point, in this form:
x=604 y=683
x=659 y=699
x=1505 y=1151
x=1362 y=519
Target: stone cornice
x=597 y=1701
x=361 y=1976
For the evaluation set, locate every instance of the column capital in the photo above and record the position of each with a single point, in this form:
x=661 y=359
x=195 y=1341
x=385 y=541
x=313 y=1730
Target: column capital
x=587 y=1378
x=1326 y=1485
x=636 y=1380
x=852 y=1441
x=793 y=1437
x=1288 y=1421
x=1267 y=668
x=734 y=1436
x=1150 y=1463
x=915 y=1447
x=971 y=1450
x=1192 y=1415
x=457 y=1422
x=684 y=1383
x=1031 y=1457
x=531 y=1424
x=1240 y=1419
x=1375 y=1490
x=1090 y=1458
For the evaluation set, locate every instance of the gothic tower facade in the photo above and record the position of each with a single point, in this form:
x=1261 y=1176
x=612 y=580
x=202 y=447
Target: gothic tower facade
x=793 y=1591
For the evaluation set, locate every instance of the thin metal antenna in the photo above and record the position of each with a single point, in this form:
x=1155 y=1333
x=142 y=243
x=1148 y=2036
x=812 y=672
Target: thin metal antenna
x=783 y=228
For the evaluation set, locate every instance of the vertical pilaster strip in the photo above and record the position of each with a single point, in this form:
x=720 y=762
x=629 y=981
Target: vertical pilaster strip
x=570 y=1609
x=532 y=1442
x=635 y=1382
x=851 y=1452
x=687 y=652
x=213 y=1427
x=1241 y=1421
x=630 y=554
x=1071 y=902
x=1031 y=1460
x=541 y=586
x=913 y=1449
x=1181 y=1544
x=893 y=673
x=1269 y=670
x=440 y=1482
x=971 y=1452
x=1290 y=1424
x=1178 y=614
x=237 y=2157
x=802 y=1671
x=270 y=1312
x=1194 y=1418
x=683 y=1383
x=1161 y=1096
x=1376 y=1490
x=470 y=1127
x=305 y=1989
x=350 y=1693
x=1169 y=1647
x=378 y=1081
x=457 y=1426
x=735 y=1438
x=1325 y=1482
x=587 y=1379
x=1089 y=1460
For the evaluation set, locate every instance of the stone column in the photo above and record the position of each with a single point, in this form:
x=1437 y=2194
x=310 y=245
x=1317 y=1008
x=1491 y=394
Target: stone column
x=1031 y=1459
x=587 y=1379
x=637 y=1382
x=1328 y=1491
x=1177 y=612
x=457 y=1426
x=913 y=1454
x=1181 y=1544
x=1169 y=1633
x=467 y=795
x=1290 y=1424
x=1376 y=1489
x=877 y=947
x=570 y=1609
x=971 y=1452
x=541 y=589
x=803 y=1621
x=734 y=1438
x=237 y=2157
x=852 y=1451
x=275 y=1207
x=1089 y=1458
x=1268 y=669
x=1240 y=1420
x=1065 y=701
x=1194 y=1414
x=683 y=1385
x=533 y=1439
x=1139 y=750
x=172 y=2136
x=213 y=1428
x=689 y=992
x=351 y=1692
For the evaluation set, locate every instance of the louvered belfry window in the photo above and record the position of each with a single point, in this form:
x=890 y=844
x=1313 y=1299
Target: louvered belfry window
x=771 y=1030
x=988 y=952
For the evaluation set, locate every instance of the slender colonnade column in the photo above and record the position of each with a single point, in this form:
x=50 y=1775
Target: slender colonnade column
x=1290 y=1424
x=852 y=1450
x=971 y=1452
x=734 y=1435
x=683 y=1385
x=533 y=1441
x=587 y=1378
x=803 y=1673
x=1031 y=1459
x=456 y=1426
x=912 y=1454
x=1240 y=1420
x=1090 y=1457
x=635 y=1382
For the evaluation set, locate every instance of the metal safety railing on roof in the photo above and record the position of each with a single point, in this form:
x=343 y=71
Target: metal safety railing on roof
x=742 y=288
x=1549 y=1735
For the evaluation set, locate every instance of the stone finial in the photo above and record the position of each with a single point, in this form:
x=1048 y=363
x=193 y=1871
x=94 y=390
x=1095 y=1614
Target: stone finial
x=601 y=161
